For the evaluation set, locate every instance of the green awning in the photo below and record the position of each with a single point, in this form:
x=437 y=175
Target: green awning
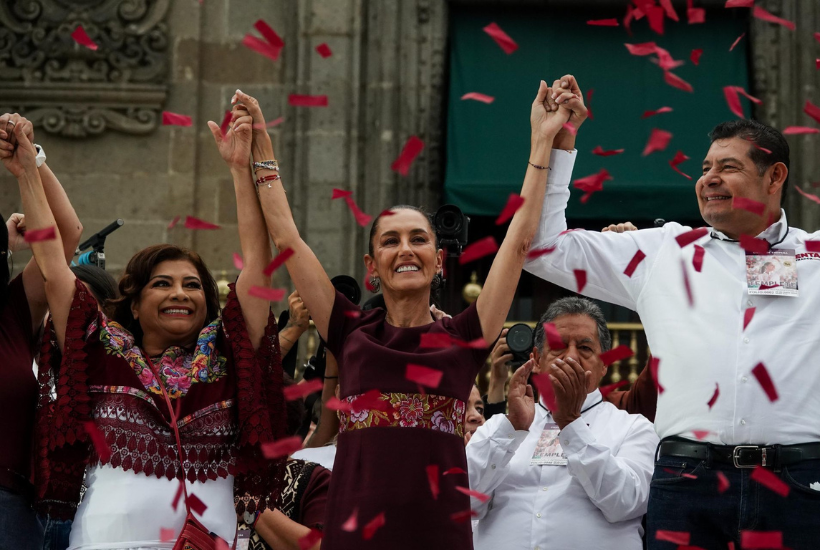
x=488 y=144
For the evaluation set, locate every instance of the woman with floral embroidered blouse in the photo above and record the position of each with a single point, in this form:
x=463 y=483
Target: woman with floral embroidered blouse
x=387 y=490
x=222 y=374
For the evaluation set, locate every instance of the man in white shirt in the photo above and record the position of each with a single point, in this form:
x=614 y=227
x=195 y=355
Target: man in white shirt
x=574 y=477
x=739 y=369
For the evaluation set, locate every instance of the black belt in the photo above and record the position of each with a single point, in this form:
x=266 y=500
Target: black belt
x=16 y=483
x=741 y=456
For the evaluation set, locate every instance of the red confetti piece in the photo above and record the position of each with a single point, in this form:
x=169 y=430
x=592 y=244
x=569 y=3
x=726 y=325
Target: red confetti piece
x=436 y=340
x=226 y=123
x=305 y=100
x=677 y=537
x=353 y=314
x=167 y=535
x=461 y=517
x=98 y=440
x=340 y=193
x=475 y=494
x=501 y=38
x=454 y=470
x=761 y=539
x=270 y=35
x=432 y=479
x=369 y=400
x=809 y=196
x=602 y=153
x=765 y=381
x=592 y=184
x=723 y=482
x=237 y=261
x=749 y=205
x=739 y=3
x=648 y=114
x=606 y=390
x=336 y=404
x=644 y=48
x=271 y=124
x=687 y=285
x=589 y=103
x=372 y=526
x=658 y=141
x=351 y=524
x=38 y=235
x=748 y=314
x=817 y=36
x=633 y=263
x=817 y=63
x=697 y=258
x=324 y=50
x=514 y=202
x=81 y=37
x=196 y=505
x=694 y=57
x=655 y=16
x=298 y=391
x=770 y=481
x=677 y=82
x=310 y=540
x=669 y=10
x=483 y=98
x=278 y=261
x=538 y=252
x=580 y=279
x=177 y=496
x=422 y=375
x=733 y=100
x=361 y=218
x=412 y=147
x=695 y=15
x=628 y=18
x=478 y=249
x=812 y=110
x=691 y=236
x=197 y=224
x=174 y=119
x=554 y=340
x=269 y=294
x=737 y=41
x=570 y=128
x=714 y=398
x=753 y=244
x=760 y=13
x=797 y=130
x=261 y=47
x=678 y=159
x=758 y=147
x=654 y=366
x=812 y=246
x=617 y=354
x=174 y=222
x=282 y=447
x=603 y=22
x=700 y=434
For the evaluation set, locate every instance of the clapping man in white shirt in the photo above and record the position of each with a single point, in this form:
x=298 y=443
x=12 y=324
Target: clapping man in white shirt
x=739 y=369
x=574 y=477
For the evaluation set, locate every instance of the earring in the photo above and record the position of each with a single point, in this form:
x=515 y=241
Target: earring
x=437 y=282
x=375 y=285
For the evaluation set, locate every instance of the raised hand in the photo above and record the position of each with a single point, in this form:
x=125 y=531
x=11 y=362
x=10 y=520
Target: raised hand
x=9 y=122
x=262 y=146
x=16 y=226
x=569 y=382
x=545 y=122
x=567 y=98
x=235 y=145
x=520 y=399
x=23 y=156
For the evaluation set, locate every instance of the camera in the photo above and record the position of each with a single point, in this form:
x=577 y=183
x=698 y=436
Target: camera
x=451 y=225
x=520 y=341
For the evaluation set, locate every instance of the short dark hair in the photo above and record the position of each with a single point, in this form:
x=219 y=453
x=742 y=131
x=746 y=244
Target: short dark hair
x=137 y=274
x=573 y=305
x=100 y=282
x=765 y=137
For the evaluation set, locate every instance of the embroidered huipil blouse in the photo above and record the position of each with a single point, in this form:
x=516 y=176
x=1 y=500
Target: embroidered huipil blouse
x=386 y=446
x=228 y=399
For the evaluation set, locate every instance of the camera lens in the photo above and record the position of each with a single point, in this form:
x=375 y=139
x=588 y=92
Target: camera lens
x=448 y=220
x=519 y=339
x=348 y=286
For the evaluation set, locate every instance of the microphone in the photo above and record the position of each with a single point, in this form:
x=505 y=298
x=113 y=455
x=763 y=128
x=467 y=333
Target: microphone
x=96 y=256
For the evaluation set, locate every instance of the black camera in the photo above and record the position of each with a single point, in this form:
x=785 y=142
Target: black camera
x=451 y=226
x=520 y=341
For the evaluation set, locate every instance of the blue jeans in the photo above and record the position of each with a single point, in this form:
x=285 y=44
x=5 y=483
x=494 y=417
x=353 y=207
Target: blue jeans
x=678 y=503
x=56 y=533
x=19 y=527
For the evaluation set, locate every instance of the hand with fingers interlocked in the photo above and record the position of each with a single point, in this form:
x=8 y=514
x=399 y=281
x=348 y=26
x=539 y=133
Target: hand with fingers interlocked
x=235 y=145
x=10 y=125
x=566 y=97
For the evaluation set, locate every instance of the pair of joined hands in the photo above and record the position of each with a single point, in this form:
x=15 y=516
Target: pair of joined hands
x=17 y=151
x=554 y=106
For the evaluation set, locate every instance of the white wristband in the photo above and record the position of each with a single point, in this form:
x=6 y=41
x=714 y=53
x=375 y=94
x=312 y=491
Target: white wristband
x=41 y=155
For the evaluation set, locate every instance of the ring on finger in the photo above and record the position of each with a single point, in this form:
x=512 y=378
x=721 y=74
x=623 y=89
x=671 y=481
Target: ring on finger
x=11 y=122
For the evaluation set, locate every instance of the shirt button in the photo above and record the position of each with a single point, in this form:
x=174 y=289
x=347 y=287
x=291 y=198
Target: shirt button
x=493 y=466
x=538 y=515
x=543 y=488
x=743 y=422
x=745 y=340
x=749 y=303
x=744 y=378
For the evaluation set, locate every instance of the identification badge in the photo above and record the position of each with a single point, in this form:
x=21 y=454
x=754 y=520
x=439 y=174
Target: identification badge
x=548 y=450
x=773 y=273
x=243 y=539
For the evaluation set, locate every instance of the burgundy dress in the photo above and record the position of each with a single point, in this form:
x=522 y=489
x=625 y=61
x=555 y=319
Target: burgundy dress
x=384 y=451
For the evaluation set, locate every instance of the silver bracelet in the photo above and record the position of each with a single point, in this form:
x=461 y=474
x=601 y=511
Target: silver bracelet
x=266 y=165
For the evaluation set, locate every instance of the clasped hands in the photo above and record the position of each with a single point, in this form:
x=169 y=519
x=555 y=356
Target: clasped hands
x=17 y=150
x=555 y=106
x=247 y=137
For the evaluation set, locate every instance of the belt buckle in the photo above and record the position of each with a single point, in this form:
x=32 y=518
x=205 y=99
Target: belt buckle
x=736 y=455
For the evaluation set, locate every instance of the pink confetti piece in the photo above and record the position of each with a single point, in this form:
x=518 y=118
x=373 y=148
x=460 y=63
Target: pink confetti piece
x=545 y=390
x=81 y=37
x=580 y=279
x=278 y=262
x=677 y=537
x=770 y=480
x=174 y=222
x=758 y=147
x=422 y=375
x=644 y=48
x=655 y=16
x=324 y=50
x=589 y=103
x=749 y=205
x=353 y=314
x=648 y=114
x=554 y=340
x=694 y=57
x=694 y=15
x=412 y=148
x=282 y=447
x=765 y=381
x=603 y=22
x=461 y=517
x=658 y=141
x=237 y=261
x=261 y=47
x=750 y=540
x=361 y=218
x=737 y=41
x=501 y=38
x=723 y=482
x=371 y=400
x=39 y=235
x=654 y=367
x=715 y=396
x=817 y=36
x=602 y=153
x=700 y=435
x=798 y=130
x=762 y=14
x=739 y=4
x=340 y=193
x=633 y=263
x=697 y=258
x=372 y=526
x=98 y=440
x=475 y=494
x=748 y=314
x=687 y=285
x=677 y=82
x=617 y=354
x=753 y=244
x=483 y=98
x=538 y=252
x=592 y=184
x=305 y=100
x=336 y=404
x=196 y=505
x=479 y=249
x=298 y=391
x=812 y=110
x=269 y=294
x=433 y=479
x=272 y=124
x=226 y=123
x=514 y=202
x=678 y=159
x=606 y=390
x=197 y=224
x=309 y=541
x=733 y=100
x=691 y=236
x=454 y=470
x=812 y=246
x=669 y=10
x=570 y=128
x=174 y=119
x=269 y=34
x=351 y=524
x=167 y=535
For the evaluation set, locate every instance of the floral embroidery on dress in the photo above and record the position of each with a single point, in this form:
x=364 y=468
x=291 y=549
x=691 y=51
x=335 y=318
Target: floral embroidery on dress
x=408 y=410
x=177 y=367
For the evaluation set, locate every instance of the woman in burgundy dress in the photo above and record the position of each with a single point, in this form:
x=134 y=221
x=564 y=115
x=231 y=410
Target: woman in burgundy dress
x=109 y=428
x=400 y=462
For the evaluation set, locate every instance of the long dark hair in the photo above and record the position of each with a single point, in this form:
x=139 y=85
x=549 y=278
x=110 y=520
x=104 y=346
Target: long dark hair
x=100 y=282
x=137 y=274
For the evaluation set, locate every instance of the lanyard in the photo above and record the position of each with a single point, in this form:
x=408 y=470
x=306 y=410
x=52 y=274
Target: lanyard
x=582 y=411
x=771 y=245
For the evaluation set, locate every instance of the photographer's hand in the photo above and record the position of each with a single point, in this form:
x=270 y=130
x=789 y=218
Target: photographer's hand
x=521 y=401
x=500 y=359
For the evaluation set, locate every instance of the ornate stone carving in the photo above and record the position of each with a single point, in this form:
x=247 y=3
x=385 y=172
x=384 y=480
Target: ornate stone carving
x=70 y=90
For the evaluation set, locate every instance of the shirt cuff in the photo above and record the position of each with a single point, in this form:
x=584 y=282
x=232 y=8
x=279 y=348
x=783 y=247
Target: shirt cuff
x=561 y=165
x=575 y=436
x=507 y=436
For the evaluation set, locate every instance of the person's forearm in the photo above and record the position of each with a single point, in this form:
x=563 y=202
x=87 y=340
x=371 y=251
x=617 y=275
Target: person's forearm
x=253 y=238
x=281 y=532
x=274 y=201
x=47 y=253
x=328 y=425
x=65 y=217
x=288 y=337
x=495 y=392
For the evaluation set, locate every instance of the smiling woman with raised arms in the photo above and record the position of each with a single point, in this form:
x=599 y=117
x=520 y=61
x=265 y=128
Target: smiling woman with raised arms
x=221 y=373
x=385 y=446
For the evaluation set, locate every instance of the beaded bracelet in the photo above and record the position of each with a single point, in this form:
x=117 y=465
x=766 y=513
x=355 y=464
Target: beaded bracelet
x=266 y=165
x=268 y=179
x=539 y=167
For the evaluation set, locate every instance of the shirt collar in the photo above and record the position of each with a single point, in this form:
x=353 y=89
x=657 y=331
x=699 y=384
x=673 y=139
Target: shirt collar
x=774 y=234
x=592 y=398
